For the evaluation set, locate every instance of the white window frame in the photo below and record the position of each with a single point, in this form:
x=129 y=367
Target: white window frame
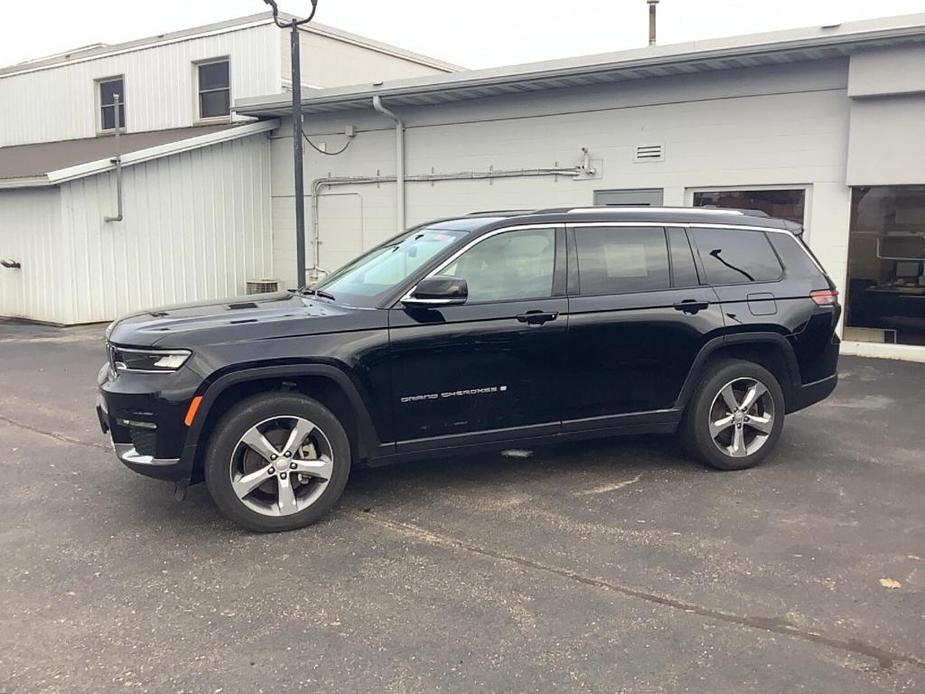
x=98 y=100
x=807 y=189
x=197 y=106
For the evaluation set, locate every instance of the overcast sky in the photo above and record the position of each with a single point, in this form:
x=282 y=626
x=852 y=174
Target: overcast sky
x=472 y=33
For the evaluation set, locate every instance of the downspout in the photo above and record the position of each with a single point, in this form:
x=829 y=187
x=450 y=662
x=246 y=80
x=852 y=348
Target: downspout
x=399 y=163
x=118 y=164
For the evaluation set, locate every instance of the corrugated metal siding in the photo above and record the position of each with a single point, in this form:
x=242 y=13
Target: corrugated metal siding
x=60 y=103
x=197 y=226
x=30 y=233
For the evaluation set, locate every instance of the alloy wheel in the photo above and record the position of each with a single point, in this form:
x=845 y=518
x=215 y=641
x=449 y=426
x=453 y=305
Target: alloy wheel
x=281 y=466
x=741 y=417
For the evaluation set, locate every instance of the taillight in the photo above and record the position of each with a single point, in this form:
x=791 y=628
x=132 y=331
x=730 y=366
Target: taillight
x=824 y=297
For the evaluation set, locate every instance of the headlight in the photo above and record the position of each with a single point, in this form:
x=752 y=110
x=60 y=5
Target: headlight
x=148 y=360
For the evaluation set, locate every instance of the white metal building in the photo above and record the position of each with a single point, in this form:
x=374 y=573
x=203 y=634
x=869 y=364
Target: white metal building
x=197 y=200
x=197 y=225
x=825 y=125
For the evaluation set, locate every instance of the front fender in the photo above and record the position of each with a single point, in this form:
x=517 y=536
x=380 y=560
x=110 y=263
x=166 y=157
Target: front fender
x=368 y=443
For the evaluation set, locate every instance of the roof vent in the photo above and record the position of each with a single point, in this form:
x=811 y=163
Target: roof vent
x=649 y=153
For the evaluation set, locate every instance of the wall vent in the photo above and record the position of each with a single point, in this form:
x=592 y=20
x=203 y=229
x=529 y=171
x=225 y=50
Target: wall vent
x=649 y=153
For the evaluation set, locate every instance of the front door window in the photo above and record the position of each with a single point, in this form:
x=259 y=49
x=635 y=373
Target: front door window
x=511 y=266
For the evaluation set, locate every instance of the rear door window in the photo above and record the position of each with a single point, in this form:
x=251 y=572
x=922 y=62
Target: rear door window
x=734 y=256
x=615 y=260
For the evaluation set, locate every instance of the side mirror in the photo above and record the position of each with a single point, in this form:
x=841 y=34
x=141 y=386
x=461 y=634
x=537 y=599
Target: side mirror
x=433 y=292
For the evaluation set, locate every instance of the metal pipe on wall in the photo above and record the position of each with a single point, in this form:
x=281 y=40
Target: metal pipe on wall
x=118 y=162
x=399 y=162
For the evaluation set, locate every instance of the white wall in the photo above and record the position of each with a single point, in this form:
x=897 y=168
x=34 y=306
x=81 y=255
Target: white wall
x=884 y=71
x=330 y=62
x=59 y=103
x=197 y=226
x=887 y=145
x=784 y=126
x=30 y=233
x=887 y=140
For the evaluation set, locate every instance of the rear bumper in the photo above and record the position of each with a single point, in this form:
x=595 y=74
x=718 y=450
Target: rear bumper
x=811 y=393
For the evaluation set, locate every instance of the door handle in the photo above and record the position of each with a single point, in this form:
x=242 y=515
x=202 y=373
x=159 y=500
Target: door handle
x=536 y=317
x=691 y=306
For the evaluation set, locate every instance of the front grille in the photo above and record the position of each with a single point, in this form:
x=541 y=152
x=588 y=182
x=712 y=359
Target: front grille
x=144 y=440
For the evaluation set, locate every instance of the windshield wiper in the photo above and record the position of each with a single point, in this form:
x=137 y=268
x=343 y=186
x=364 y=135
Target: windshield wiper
x=316 y=292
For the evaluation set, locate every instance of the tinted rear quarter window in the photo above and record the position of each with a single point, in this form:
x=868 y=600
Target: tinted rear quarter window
x=733 y=256
x=615 y=260
x=683 y=270
x=795 y=258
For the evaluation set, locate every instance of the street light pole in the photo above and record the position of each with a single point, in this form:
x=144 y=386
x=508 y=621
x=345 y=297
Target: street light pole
x=297 y=151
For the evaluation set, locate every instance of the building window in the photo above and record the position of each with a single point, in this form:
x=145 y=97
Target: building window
x=214 y=89
x=108 y=88
x=886 y=265
x=785 y=204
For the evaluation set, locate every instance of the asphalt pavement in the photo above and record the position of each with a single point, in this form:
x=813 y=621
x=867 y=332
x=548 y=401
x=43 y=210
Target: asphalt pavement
x=613 y=566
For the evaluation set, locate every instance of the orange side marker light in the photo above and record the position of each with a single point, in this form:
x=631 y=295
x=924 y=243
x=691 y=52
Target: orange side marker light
x=191 y=412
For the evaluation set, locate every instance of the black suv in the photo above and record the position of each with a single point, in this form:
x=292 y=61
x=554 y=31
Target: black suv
x=481 y=332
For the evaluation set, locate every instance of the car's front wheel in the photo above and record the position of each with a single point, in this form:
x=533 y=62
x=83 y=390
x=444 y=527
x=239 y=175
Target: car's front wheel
x=277 y=461
x=735 y=416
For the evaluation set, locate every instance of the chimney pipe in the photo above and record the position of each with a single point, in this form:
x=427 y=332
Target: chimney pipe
x=652 y=4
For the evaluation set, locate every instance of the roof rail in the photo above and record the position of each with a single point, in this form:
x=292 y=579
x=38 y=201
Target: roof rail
x=687 y=210
x=498 y=213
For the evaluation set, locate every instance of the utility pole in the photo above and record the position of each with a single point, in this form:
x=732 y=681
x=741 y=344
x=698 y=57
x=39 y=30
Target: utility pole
x=296 y=56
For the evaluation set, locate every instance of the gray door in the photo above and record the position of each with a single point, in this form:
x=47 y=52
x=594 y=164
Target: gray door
x=632 y=197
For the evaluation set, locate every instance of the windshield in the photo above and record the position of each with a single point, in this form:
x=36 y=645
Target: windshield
x=364 y=281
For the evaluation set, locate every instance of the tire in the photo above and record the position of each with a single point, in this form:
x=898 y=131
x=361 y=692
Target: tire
x=760 y=425
x=310 y=462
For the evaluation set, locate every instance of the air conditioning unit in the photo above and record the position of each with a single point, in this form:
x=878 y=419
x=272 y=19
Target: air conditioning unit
x=262 y=286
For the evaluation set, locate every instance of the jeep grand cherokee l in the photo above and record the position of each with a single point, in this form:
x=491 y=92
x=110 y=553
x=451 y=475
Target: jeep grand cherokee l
x=476 y=333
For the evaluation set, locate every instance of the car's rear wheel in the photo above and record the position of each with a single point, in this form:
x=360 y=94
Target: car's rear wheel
x=735 y=416
x=277 y=462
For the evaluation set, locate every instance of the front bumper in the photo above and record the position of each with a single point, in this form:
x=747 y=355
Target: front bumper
x=146 y=428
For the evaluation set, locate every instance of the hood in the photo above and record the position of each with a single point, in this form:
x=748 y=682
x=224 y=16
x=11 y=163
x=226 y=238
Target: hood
x=227 y=320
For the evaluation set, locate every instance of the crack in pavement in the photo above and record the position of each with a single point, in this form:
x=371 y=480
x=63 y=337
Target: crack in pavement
x=54 y=435
x=885 y=659
x=610 y=487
